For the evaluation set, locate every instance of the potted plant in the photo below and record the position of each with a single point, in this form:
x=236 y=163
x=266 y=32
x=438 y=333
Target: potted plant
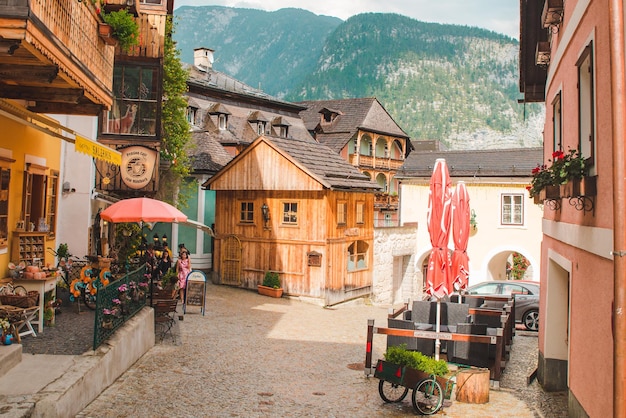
x=542 y=178
x=271 y=285
x=123 y=27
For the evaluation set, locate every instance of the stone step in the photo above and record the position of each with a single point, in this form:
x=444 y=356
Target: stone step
x=10 y=356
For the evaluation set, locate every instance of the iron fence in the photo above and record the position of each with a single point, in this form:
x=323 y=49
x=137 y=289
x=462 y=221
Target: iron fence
x=118 y=302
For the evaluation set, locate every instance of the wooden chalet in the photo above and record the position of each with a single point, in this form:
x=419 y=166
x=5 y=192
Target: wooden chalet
x=364 y=134
x=295 y=207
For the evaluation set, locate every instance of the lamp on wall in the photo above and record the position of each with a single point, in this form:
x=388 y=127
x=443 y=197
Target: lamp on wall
x=265 y=210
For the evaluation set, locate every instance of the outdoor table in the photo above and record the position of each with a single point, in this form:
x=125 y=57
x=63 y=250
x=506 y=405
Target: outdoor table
x=42 y=286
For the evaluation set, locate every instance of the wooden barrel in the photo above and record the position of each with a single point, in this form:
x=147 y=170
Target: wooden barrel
x=472 y=386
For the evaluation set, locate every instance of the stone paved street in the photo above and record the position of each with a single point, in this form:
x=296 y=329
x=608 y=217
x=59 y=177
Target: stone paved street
x=255 y=356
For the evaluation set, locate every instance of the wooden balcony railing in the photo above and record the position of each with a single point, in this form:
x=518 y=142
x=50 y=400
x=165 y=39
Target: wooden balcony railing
x=61 y=33
x=369 y=161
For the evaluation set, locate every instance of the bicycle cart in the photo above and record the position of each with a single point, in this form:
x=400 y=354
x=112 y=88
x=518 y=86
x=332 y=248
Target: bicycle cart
x=429 y=391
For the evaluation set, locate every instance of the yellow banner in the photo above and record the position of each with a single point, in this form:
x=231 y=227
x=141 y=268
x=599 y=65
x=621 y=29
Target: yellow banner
x=96 y=150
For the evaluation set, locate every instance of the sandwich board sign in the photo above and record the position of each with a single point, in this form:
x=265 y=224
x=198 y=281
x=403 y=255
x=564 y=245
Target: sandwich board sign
x=195 y=291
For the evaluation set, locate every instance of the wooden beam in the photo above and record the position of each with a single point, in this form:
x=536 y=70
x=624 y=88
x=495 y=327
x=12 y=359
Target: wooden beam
x=30 y=73
x=48 y=94
x=86 y=109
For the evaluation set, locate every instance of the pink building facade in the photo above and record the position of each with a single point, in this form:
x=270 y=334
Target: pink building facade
x=571 y=55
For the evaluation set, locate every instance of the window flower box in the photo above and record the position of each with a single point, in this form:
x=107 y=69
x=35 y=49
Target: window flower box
x=577 y=187
x=550 y=193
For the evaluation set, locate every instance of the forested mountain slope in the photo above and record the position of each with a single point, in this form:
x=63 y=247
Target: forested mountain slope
x=453 y=83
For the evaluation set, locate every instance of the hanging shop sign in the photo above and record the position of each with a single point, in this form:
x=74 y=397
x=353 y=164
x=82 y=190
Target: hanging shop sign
x=137 y=166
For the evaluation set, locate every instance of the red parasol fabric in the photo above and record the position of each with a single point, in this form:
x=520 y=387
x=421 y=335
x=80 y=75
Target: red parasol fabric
x=142 y=209
x=460 y=235
x=439 y=216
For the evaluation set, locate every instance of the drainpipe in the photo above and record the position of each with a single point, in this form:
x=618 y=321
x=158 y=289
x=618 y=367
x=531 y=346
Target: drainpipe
x=618 y=95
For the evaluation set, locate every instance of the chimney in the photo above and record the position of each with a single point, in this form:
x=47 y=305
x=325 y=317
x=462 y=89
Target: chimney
x=203 y=58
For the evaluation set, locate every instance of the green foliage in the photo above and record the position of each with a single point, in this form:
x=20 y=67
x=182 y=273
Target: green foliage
x=542 y=177
x=175 y=134
x=124 y=28
x=169 y=278
x=567 y=166
x=415 y=360
x=127 y=241
x=271 y=280
x=63 y=251
x=520 y=265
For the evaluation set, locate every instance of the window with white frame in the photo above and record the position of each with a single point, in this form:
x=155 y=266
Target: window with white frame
x=247 y=212
x=357 y=256
x=557 y=120
x=341 y=213
x=586 y=105
x=222 y=121
x=260 y=127
x=512 y=209
x=282 y=131
x=290 y=213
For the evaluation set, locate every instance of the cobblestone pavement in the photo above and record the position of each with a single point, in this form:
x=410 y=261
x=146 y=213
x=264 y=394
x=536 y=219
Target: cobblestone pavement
x=72 y=333
x=254 y=356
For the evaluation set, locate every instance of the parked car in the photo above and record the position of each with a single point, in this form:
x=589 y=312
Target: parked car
x=526 y=294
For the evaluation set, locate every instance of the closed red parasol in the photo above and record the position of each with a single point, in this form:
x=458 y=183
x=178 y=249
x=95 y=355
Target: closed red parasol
x=439 y=216
x=460 y=235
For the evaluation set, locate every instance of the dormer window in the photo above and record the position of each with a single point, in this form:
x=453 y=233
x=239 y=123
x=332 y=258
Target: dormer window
x=257 y=118
x=222 y=120
x=222 y=113
x=328 y=115
x=282 y=126
x=192 y=114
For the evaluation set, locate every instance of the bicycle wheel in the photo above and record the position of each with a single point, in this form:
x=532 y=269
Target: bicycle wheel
x=390 y=392
x=20 y=291
x=427 y=396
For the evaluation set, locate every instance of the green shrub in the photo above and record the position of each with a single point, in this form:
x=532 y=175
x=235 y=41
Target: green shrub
x=124 y=28
x=271 y=280
x=415 y=360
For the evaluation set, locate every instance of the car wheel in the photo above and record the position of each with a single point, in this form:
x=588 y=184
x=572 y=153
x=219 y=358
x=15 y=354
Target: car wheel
x=531 y=320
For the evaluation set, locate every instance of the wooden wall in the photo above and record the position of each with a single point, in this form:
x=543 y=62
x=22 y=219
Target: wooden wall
x=284 y=248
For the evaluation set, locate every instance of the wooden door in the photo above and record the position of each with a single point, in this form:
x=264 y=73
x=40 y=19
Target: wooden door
x=231 y=261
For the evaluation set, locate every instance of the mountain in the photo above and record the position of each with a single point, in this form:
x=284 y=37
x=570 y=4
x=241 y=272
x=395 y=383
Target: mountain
x=454 y=83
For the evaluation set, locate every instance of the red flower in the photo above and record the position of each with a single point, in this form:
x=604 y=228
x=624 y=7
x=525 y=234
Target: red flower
x=558 y=155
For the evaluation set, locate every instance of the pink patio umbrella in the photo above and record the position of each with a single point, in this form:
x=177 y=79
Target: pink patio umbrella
x=460 y=236
x=438 y=219
x=142 y=209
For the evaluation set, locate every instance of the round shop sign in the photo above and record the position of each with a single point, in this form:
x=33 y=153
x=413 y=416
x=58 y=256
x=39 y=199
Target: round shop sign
x=137 y=166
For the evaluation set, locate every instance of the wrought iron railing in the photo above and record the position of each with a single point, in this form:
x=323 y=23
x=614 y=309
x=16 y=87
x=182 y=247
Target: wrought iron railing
x=117 y=302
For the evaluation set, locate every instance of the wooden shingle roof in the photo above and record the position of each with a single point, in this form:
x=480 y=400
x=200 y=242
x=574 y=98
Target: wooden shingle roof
x=366 y=114
x=515 y=162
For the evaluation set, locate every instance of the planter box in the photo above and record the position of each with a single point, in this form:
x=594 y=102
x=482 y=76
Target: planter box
x=105 y=31
x=550 y=193
x=585 y=186
x=407 y=377
x=270 y=291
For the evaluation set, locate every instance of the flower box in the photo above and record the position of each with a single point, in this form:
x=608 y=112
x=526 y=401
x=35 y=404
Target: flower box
x=585 y=186
x=106 y=33
x=550 y=193
x=270 y=291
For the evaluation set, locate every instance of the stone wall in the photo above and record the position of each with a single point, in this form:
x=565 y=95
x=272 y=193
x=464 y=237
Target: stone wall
x=395 y=279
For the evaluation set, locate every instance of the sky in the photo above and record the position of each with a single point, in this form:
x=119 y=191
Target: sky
x=500 y=16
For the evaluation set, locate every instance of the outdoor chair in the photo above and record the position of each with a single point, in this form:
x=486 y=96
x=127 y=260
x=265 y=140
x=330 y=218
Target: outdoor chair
x=165 y=317
x=24 y=321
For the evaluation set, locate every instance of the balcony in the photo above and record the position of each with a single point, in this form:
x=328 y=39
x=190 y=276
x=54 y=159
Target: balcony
x=52 y=58
x=381 y=163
